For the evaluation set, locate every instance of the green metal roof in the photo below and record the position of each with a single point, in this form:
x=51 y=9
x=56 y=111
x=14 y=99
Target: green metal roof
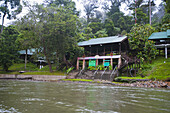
x=104 y=40
x=160 y=35
x=168 y=32
x=29 y=51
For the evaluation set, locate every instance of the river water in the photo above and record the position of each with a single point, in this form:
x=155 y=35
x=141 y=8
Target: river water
x=54 y=97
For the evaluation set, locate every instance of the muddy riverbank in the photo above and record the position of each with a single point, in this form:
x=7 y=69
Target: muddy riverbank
x=56 y=78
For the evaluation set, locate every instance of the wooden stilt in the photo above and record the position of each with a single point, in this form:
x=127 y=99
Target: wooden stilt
x=166 y=54
x=111 y=62
x=127 y=70
x=96 y=62
x=83 y=64
x=119 y=48
x=77 y=63
x=135 y=67
x=119 y=62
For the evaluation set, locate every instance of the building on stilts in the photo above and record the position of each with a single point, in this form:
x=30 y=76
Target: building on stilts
x=104 y=58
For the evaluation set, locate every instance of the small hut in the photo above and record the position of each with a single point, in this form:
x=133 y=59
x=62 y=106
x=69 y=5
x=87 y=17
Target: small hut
x=162 y=41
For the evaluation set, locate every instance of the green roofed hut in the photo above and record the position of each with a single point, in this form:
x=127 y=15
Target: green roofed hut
x=162 y=40
x=103 y=51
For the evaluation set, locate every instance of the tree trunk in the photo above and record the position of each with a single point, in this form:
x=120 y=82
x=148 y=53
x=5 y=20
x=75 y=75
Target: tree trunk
x=26 y=59
x=49 y=64
x=47 y=58
x=2 y=27
x=65 y=61
x=48 y=61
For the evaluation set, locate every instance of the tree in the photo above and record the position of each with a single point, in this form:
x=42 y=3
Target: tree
x=167 y=6
x=89 y=8
x=109 y=26
x=95 y=26
x=55 y=30
x=10 y=8
x=27 y=37
x=118 y=18
x=8 y=47
x=139 y=43
x=101 y=33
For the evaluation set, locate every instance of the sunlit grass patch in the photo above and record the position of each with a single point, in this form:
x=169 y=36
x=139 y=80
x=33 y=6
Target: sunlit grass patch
x=78 y=80
x=21 y=67
x=44 y=73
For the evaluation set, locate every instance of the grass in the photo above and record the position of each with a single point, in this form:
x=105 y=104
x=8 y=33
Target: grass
x=12 y=73
x=31 y=68
x=21 y=67
x=78 y=80
x=46 y=68
x=44 y=73
x=159 y=69
x=131 y=77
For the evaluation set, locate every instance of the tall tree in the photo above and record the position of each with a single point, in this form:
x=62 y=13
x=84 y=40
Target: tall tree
x=89 y=8
x=27 y=37
x=139 y=43
x=167 y=6
x=9 y=8
x=55 y=28
x=8 y=47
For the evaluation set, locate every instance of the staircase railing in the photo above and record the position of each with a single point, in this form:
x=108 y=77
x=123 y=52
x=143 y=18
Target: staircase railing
x=114 y=70
x=95 y=72
x=80 y=72
x=103 y=72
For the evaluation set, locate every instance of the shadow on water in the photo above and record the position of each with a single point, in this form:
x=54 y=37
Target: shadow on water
x=43 y=97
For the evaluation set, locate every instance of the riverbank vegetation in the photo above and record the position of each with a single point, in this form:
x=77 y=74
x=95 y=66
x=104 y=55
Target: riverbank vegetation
x=55 y=27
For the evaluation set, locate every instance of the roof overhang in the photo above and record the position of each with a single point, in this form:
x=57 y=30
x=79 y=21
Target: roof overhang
x=99 y=57
x=160 y=35
x=104 y=40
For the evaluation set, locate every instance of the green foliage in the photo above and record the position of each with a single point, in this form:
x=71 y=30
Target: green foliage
x=55 y=28
x=87 y=33
x=166 y=18
x=167 y=6
x=161 y=72
x=123 y=32
x=109 y=26
x=101 y=67
x=142 y=17
x=20 y=67
x=8 y=47
x=9 y=8
x=91 y=68
x=158 y=69
x=69 y=69
x=101 y=33
x=110 y=67
x=139 y=43
x=95 y=26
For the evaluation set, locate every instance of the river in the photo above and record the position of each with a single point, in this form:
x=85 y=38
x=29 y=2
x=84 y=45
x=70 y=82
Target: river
x=58 y=97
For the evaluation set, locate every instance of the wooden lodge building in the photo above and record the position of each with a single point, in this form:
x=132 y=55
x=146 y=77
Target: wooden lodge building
x=103 y=51
x=106 y=52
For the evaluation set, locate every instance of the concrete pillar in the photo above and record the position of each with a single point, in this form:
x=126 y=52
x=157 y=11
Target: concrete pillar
x=77 y=63
x=166 y=53
x=83 y=63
